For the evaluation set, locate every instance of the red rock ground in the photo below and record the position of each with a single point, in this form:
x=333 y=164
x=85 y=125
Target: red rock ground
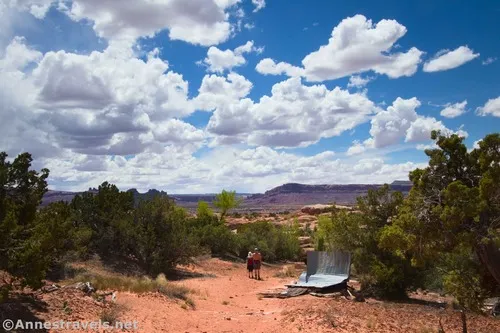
x=229 y=302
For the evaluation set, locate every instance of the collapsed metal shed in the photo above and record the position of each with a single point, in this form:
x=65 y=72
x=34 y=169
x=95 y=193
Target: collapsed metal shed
x=325 y=269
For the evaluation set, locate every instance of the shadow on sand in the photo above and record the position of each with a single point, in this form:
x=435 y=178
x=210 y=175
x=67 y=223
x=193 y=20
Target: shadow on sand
x=22 y=307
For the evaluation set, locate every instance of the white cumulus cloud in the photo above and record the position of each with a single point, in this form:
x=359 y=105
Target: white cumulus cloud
x=218 y=91
x=401 y=121
x=269 y=66
x=358 y=81
x=220 y=61
x=447 y=59
x=356 y=148
x=356 y=45
x=198 y=22
x=104 y=103
x=454 y=110
x=256 y=170
x=492 y=107
x=294 y=115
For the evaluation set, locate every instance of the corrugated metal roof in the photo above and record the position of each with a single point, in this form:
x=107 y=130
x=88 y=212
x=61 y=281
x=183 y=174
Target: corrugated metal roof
x=325 y=269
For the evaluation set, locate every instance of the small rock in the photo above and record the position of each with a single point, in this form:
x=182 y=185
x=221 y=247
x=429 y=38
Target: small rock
x=228 y=318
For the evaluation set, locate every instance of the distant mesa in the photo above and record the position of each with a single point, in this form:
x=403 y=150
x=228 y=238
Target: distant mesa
x=402 y=183
x=300 y=195
x=286 y=196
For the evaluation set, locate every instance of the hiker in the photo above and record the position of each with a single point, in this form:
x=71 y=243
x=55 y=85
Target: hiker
x=257 y=261
x=250 y=264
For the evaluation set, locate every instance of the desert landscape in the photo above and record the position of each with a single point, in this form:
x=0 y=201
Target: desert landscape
x=287 y=197
x=112 y=257
x=223 y=299
x=250 y=166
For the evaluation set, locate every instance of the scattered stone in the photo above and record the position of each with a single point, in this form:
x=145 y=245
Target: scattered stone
x=85 y=287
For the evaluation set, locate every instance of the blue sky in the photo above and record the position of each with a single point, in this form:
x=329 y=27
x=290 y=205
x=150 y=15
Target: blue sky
x=201 y=95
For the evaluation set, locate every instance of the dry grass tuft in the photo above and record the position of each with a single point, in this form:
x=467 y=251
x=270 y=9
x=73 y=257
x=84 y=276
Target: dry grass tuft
x=287 y=272
x=112 y=314
x=103 y=280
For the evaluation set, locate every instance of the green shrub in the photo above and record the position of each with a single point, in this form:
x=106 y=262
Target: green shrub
x=26 y=249
x=212 y=234
x=162 y=238
x=275 y=243
x=382 y=273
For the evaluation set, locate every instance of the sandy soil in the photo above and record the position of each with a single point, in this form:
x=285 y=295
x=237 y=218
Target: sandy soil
x=226 y=300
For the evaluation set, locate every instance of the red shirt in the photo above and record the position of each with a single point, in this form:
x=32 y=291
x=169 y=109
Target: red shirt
x=249 y=261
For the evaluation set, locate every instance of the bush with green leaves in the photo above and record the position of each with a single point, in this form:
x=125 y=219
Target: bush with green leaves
x=161 y=236
x=451 y=218
x=274 y=242
x=212 y=233
x=381 y=272
x=108 y=214
x=24 y=247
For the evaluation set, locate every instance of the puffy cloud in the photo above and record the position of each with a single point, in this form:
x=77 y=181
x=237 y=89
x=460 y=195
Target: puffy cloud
x=193 y=21
x=218 y=91
x=294 y=115
x=231 y=119
x=389 y=126
x=421 y=128
x=178 y=132
x=492 y=107
x=254 y=170
x=454 y=110
x=358 y=81
x=104 y=103
x=269 y=66
x=259 y=4
x=23 y=131
x=401 y=120
x=356 y=148
x=18 y=55
x=226 y=3
x=446 y=59
x=37 y=8
x=356 y=45
x=401 y=64
x=219 y=61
